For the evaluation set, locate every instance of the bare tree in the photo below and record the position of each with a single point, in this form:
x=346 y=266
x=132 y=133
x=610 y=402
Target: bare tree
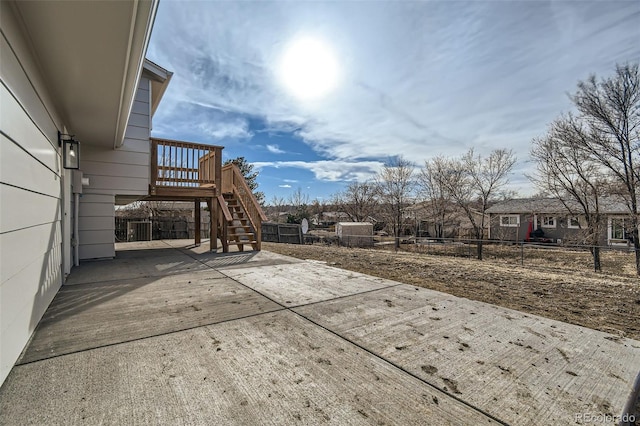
x=358 y=201
x=300 y=202
x=394 y=185
x=431 y=187
x=610 y=111
x=570 y=173
x=474 y=182
x=318 y=208
x=276 y=205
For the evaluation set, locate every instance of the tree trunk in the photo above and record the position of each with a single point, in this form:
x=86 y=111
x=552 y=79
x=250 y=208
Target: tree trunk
x=595 y=252
x=396 y=232
x=479 y=245
x=636 y=245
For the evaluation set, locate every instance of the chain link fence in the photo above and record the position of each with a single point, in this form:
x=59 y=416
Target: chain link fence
x=618 y=259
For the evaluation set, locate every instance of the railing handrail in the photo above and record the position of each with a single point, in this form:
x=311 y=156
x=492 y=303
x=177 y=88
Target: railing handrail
x=182 y=164
x=225 y=208
x=238 y=180
x=194 y=145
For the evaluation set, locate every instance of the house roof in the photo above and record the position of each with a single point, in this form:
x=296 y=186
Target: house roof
x=91 y=56
x=608 y=205
x=160 y=78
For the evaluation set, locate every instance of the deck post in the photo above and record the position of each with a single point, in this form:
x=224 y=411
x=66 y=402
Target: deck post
x=213 y=223
x=218 y=169
x=196 y=219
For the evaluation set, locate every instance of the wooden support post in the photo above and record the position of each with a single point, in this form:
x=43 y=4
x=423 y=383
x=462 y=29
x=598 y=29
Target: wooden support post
x=196 y=219
x=218 y=170
x=213 y=223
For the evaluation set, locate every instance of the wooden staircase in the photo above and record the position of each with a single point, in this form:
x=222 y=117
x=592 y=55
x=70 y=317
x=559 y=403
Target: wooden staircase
x=240 y=221
x=238 y=230
x=187 y=171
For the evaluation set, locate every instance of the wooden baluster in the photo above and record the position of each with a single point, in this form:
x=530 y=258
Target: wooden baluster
x=154 y=165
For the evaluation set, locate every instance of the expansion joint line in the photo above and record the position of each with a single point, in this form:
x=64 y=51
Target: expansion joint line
x=357 y=345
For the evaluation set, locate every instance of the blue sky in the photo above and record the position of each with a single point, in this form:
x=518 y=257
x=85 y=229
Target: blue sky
x=416 y=79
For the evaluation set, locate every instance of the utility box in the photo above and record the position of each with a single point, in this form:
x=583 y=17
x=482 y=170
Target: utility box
x=355 y=234
x=76 y=181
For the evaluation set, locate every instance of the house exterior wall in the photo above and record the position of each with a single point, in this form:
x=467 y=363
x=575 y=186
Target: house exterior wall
x=561 y=231
x=508 y=233
x=96 y=226
x=123 y=171
x=32 y=184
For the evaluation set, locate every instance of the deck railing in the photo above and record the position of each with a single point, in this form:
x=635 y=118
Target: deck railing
x=234 y=183
x=178 y=164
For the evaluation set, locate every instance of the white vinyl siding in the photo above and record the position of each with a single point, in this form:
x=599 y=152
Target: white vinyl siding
x=510 y=220
x=31 y=193
x=124 y=171
x=97 y=226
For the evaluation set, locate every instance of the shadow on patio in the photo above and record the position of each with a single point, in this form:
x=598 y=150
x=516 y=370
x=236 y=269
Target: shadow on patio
x=170 y=333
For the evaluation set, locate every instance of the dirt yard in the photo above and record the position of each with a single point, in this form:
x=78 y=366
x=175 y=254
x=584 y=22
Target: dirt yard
x=602 y=301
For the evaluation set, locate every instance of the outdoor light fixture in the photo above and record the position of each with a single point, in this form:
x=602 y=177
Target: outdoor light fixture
x=70 y=151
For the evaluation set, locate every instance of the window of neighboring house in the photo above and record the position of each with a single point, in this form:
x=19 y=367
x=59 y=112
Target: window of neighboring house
x=548 y=221
x=573 y=223
x=511 y=220
x=616 y=229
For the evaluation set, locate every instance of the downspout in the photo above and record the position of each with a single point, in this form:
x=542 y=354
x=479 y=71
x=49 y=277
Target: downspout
x=76 y=236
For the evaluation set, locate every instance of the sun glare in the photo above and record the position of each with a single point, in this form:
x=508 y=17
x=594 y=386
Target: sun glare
x=309 y=69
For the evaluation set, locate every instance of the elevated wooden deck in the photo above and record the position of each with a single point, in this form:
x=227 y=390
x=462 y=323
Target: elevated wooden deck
x=187 y=171
x=184 y=170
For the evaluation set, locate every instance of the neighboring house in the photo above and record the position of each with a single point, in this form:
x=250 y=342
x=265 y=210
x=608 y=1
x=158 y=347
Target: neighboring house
x=520 y=219
x=330 y=218
x=79 y=68
x=455 y=224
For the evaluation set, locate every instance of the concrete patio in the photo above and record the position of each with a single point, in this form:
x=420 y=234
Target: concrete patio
x=167 y=333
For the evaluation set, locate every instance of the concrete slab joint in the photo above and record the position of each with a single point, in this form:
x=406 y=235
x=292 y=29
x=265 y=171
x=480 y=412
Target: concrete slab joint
x=181 y=335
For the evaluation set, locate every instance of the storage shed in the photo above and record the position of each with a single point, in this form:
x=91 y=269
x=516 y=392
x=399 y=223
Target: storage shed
x=355 y=234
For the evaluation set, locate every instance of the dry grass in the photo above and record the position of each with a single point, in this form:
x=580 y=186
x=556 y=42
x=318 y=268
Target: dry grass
x=554 y=284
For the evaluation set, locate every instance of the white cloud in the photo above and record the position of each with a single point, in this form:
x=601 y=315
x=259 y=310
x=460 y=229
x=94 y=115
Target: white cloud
x=290 y=180
x=236 y=129
x=332 y=171
x=284 y=186
x=274 y=149
x=418 y=79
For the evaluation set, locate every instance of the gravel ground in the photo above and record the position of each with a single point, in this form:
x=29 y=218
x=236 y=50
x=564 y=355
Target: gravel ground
x=602 y=301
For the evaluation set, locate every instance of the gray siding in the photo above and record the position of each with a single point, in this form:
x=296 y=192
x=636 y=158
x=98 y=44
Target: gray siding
x=124 y=171
x=560 y=232
x=96 y=226
x=31 y=193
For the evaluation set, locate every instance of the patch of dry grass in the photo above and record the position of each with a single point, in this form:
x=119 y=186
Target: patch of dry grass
x=555 y=284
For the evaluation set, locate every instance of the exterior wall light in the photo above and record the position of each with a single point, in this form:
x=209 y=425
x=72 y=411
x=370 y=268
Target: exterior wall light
x=70 y=151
